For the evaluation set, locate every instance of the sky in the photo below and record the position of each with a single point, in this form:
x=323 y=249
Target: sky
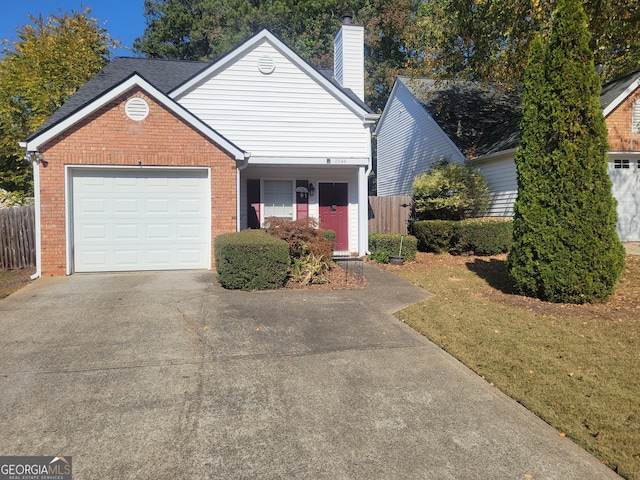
x=123 y=19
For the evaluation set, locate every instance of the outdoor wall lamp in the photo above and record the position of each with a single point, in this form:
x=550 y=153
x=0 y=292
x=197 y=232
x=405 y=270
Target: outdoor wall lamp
x=312 y=189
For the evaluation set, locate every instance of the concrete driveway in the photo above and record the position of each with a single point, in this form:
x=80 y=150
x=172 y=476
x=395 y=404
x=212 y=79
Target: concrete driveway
x=167 y=375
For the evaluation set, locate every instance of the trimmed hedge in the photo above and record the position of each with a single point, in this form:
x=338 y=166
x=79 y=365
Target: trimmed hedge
x=251 y=260
x=385 y=245
x=473 y=237
x=434 y=235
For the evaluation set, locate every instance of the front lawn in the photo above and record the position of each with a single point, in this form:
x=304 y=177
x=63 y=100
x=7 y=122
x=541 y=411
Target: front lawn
x=576 y=367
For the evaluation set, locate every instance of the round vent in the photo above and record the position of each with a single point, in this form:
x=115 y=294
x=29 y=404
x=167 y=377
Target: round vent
x=136 y=109
x=266 y=65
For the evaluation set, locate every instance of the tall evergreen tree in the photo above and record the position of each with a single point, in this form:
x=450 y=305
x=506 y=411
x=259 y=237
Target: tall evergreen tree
x=565 y=245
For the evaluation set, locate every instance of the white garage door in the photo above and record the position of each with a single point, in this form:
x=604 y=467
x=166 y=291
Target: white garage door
x=625 y=179
x=139 y=219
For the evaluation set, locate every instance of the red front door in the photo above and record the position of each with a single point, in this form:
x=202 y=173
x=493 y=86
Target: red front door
x=334 y=205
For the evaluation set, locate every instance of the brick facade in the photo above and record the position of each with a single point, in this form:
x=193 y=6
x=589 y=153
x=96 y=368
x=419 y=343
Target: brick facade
x=621 y=138
x=109 y=137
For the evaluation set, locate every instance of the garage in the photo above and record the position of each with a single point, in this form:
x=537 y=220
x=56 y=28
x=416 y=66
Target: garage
x=132 y=219
x=625 y=178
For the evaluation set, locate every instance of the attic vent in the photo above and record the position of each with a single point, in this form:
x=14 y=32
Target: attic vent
x=136 y=109
x=266 y=65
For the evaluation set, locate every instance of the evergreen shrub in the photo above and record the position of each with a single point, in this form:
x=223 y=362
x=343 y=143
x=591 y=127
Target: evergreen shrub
x=385 y=245
x=471 y=237
x=434 y=235
x=251 y=260
x=482 y=237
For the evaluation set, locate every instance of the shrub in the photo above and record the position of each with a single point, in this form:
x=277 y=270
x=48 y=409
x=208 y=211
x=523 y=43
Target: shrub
x=310 y=249
x=473 y=236
x=385 y=245
x=450 y=191
x=481 y=237
x=434 y=235
x=251 y=260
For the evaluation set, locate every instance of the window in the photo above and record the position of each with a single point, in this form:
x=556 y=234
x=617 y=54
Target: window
x=278 y=198
x=635 y=117
x=617 y=163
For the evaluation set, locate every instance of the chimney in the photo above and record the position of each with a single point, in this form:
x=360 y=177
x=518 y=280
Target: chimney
x=348 y=56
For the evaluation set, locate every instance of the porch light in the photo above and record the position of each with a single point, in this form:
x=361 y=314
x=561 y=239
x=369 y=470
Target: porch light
x=312 y=189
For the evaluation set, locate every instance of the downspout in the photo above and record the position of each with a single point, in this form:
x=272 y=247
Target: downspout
x=35 y=161
x=244 y=164
x=364 y=206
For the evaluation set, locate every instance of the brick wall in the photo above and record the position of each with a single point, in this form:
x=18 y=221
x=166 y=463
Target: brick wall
x=619 y=125
x=109 y=137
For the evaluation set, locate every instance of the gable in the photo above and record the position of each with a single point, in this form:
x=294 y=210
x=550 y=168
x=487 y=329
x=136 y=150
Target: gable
x=624 y=135
x=51 y=132
x=267 y=99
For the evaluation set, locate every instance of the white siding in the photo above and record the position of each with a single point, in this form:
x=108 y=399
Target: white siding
x=315 y=176
x=284 y=114
x=349 y=58
x=409 y=140
x=501 y=177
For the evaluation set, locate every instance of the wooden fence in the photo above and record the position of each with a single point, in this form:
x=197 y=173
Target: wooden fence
x=17 y=238
x=389 y=214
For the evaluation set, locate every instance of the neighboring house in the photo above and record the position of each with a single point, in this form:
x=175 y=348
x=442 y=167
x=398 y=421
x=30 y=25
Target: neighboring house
x=152 y=159
x=424 y=121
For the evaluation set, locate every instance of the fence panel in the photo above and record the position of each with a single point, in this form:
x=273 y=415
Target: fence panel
x=17 y=238
x=389 y=214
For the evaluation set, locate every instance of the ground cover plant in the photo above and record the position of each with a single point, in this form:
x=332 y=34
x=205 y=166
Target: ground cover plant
x=575 y=366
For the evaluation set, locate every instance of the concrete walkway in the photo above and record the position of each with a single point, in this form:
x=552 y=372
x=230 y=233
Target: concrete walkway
x=167 y=375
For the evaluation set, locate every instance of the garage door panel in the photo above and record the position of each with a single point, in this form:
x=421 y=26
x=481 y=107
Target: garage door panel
x=140 y=220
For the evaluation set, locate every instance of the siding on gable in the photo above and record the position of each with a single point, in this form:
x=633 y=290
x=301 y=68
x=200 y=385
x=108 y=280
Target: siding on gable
x=284 y=114
x=409 y=140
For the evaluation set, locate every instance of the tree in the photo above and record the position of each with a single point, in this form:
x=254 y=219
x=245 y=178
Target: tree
x=450 y=191
x=489 y=40
x=207 y=29
x=50 y=60
x=565 y=247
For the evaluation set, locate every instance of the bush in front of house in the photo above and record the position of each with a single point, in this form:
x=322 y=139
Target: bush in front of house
x=481 y=237
x=310 y=249
x=472 y=237
x=251 y=260
x=434 y=235
x=385 y=245
x=450 y=191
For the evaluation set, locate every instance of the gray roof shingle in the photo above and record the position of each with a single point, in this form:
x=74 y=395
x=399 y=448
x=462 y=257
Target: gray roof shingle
x=165 y=75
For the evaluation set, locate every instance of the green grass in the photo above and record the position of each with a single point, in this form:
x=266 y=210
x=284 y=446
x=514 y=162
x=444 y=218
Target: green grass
x=576 y=368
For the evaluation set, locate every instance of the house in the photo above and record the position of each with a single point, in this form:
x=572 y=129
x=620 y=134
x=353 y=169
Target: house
x=424 y=121
x=152 y=159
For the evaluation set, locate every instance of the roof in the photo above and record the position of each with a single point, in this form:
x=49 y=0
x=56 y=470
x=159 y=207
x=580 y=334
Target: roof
x=480 y=119
x=134 y=80
x=614 y=92
x=167 y=76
